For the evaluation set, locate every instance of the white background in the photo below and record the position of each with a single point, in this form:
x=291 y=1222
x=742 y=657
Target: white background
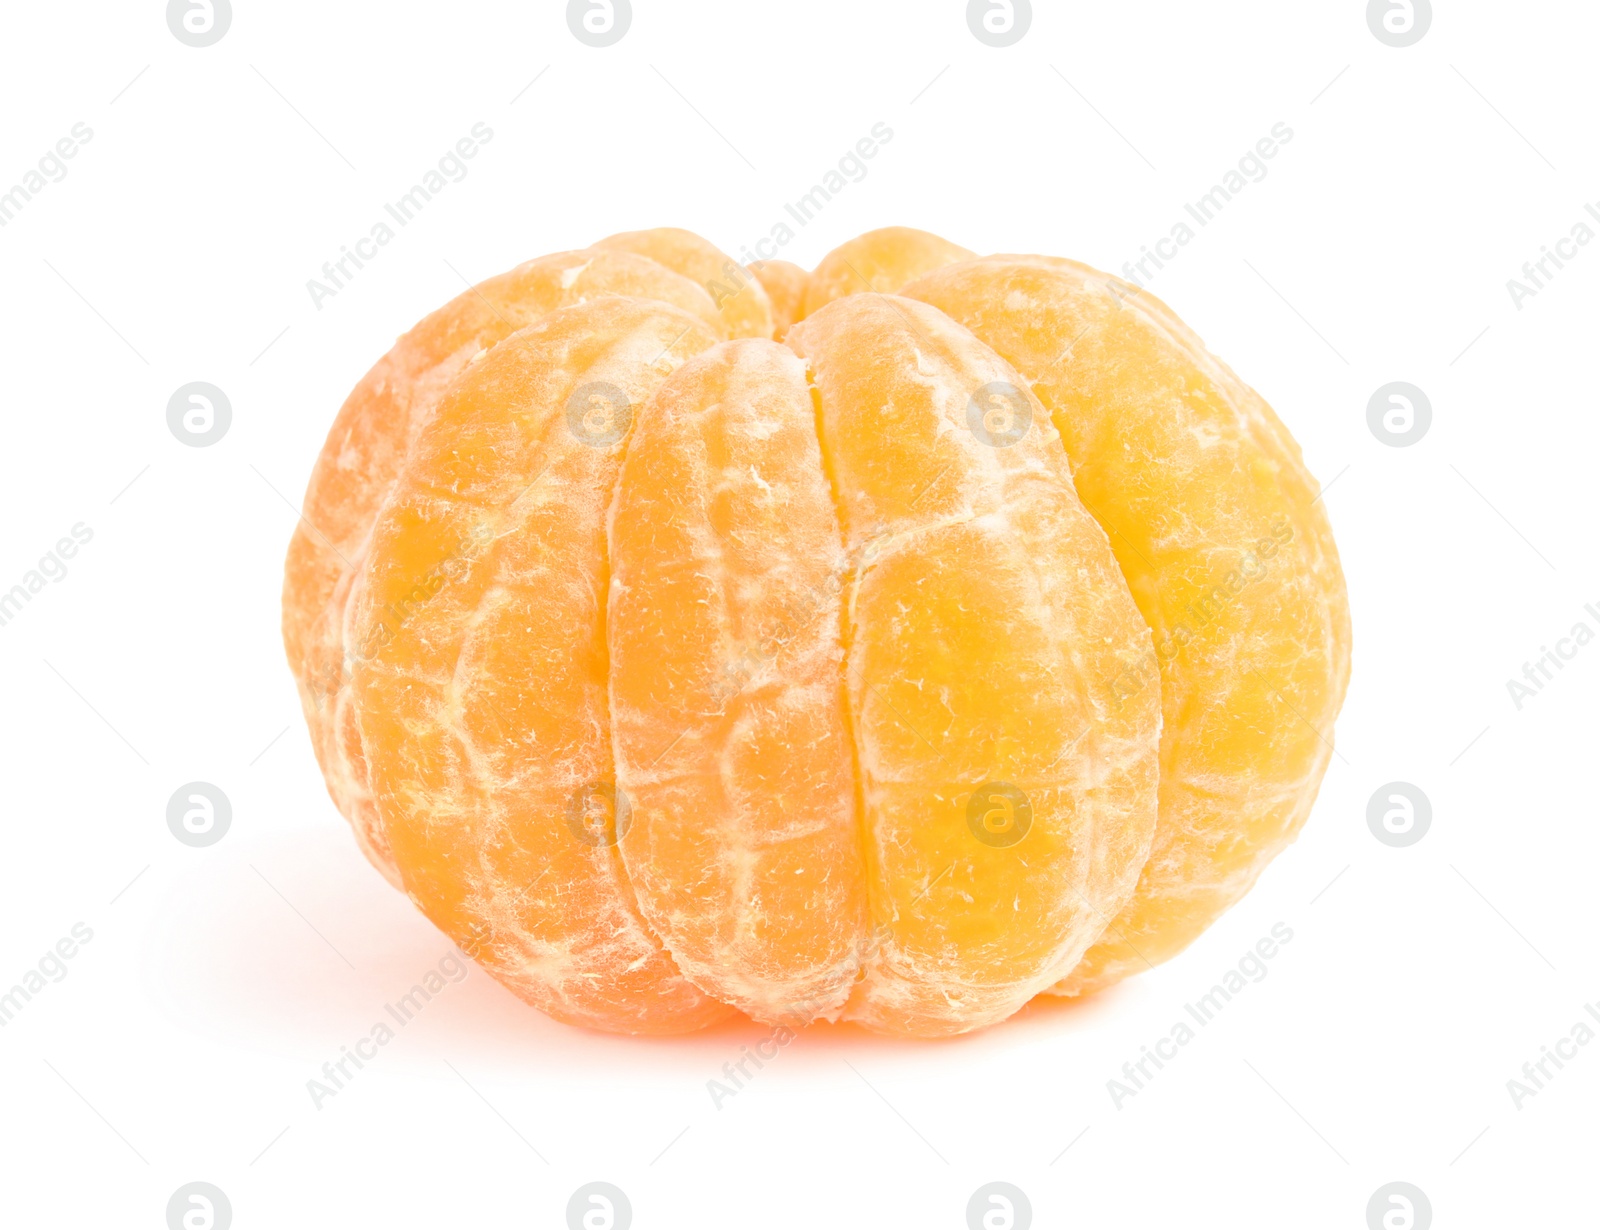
x=219 y=980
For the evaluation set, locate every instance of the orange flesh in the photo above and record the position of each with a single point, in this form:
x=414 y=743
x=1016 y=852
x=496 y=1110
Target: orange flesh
x=785 y=284
x=366 y=448
x=731 y=735
x=738 y=697
x=739 y=297
x=985 y=621
x=483 y=706
x=1217 y=527
x=880 y=261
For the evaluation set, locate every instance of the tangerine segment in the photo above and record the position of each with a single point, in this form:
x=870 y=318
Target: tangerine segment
x=785 y=284
x=1008 y=798
x=1216 y=524
x=740 y=298
x=481 y=681
x=729 y=723
x=883 y=261
x=363 y=456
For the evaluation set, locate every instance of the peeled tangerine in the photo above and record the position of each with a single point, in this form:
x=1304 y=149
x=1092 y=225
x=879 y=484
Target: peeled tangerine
x=891 y=643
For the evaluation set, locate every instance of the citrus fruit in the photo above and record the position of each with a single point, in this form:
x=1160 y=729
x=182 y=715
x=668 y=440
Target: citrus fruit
x=785 y=284
x=740 y=298
x=986 y=623
x=363 y=456
x=891 y=643
x=481 y=675
x=1220 y=532
x=731 y=737
x=881 y=260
